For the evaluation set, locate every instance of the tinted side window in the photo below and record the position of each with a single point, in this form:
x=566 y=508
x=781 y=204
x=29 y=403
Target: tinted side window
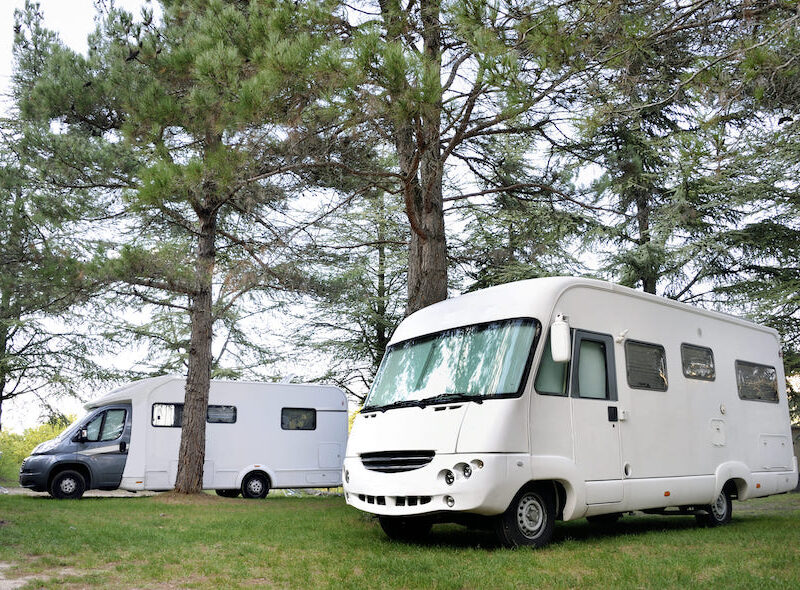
x=698 y=362
x=646 y=365
x=221 y=414
x=593 y=375
x=552 y=376
x=757 y=382
x=298 y=419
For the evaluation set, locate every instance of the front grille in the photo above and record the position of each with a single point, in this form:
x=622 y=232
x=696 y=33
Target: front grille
x=396 y=461
x=398 y=500
x=22 y=467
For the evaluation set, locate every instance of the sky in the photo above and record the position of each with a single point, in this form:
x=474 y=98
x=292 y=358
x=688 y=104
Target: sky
x=73 y=20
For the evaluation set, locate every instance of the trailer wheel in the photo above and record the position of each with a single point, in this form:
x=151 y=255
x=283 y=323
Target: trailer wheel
x=67 y=485
x=410 y=529
x=227 y=493
x=529 y=519
x=255 y=485
x=719 y=512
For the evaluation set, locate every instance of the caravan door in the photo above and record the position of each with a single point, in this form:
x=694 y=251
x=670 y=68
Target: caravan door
x=594 y=416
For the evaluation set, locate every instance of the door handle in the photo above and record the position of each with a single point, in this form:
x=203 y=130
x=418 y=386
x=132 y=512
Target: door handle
x=123 y=446
x=613 y=415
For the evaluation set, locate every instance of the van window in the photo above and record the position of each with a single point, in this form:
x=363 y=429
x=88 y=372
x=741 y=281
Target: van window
x=552 y=376
x=646 y=365
x=298 y=419
x=757 y=382
x=698 y=362
x=593 y=366
x=106 y=426
x=171 y=415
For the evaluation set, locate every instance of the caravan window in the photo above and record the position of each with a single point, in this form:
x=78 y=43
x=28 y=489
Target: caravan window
x=298 y=419
x=171 y=415
x=757 y=382
x=698 y=362
x=593 y=366
x=646 y=365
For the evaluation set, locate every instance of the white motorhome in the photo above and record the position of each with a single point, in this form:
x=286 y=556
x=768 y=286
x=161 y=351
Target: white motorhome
x=258 y=436
x=563 y=398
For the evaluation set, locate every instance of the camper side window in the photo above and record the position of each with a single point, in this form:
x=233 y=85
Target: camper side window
x=551 y=378
x=757 y=382
x=171 y=415
x=646 y=365
x=298 y=419
x=593 y=366
x=698 y=362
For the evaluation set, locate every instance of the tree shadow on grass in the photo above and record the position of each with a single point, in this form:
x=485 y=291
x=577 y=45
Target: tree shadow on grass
x=580 y=531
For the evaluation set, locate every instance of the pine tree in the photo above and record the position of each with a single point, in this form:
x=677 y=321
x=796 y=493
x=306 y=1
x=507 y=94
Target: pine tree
x=178 y=125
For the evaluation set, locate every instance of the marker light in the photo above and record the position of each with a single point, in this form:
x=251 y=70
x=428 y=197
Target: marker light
x=450 y=501
x=449 y=478
x=346 y=476
x=467 y=471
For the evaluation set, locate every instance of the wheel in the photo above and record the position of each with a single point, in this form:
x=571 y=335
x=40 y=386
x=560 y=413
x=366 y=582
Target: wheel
x=227 y=493
x=399 y=528
x=604 y=519
x=719 y=512
x=255 y=485
x=68 y=485
x=529 y=519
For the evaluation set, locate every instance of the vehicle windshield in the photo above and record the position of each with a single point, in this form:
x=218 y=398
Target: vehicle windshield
x=471 y=362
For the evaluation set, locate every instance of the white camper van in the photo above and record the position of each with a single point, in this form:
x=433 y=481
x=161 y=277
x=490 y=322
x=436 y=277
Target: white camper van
x=258 y=436
x=564 y=398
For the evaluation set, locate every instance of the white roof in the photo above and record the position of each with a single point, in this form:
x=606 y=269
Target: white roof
x=532 y=298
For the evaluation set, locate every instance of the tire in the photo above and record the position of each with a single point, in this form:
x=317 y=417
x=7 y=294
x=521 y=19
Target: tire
x=228 y=493
x=529 y=519
x=255 y=486
x=68 y=485
x=404 y=529
x=718 y=513
x=604 y=519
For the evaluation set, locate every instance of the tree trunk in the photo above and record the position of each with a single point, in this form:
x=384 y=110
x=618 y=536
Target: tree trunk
x=419 y=153
x=198 y=381
x=648 y=273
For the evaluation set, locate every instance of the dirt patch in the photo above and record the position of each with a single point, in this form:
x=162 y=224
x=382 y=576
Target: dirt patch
x=11 y=584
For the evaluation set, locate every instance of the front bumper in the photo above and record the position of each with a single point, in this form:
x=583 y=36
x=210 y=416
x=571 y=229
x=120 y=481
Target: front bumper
x=33 y=473
x=493 y=481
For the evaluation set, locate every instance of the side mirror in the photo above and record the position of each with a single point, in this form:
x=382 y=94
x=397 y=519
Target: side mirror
x=82 y=435
x=560 y=341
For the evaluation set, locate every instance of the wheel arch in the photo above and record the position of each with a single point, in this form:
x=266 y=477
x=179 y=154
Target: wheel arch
x=255 y=468
x=81 y=468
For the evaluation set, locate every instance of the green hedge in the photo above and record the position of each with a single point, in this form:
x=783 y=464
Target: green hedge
x=15 y=447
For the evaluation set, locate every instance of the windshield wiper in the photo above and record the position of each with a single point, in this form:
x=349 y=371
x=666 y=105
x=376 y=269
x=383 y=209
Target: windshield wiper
x=449 y=397
x=409 y=403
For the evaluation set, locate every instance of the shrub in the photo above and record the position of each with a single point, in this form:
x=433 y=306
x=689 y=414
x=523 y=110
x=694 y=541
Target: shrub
x=15 y=447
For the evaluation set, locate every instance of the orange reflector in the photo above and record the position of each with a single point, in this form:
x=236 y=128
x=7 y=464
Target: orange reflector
x=666 y=494
x=758 y=485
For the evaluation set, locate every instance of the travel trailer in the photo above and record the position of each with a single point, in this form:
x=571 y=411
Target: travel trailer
x=258 y=436
x=561 y=398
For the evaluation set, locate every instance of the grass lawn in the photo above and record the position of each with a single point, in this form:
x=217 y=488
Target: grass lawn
x=318 y=542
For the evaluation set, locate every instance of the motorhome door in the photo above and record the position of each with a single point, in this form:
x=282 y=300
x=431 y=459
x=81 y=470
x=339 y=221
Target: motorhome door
x=594 y=416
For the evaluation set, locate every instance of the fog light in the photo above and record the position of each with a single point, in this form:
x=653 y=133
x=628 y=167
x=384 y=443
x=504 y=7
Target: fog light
x=449 y=478
x=467 y=470
x=450 y=501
